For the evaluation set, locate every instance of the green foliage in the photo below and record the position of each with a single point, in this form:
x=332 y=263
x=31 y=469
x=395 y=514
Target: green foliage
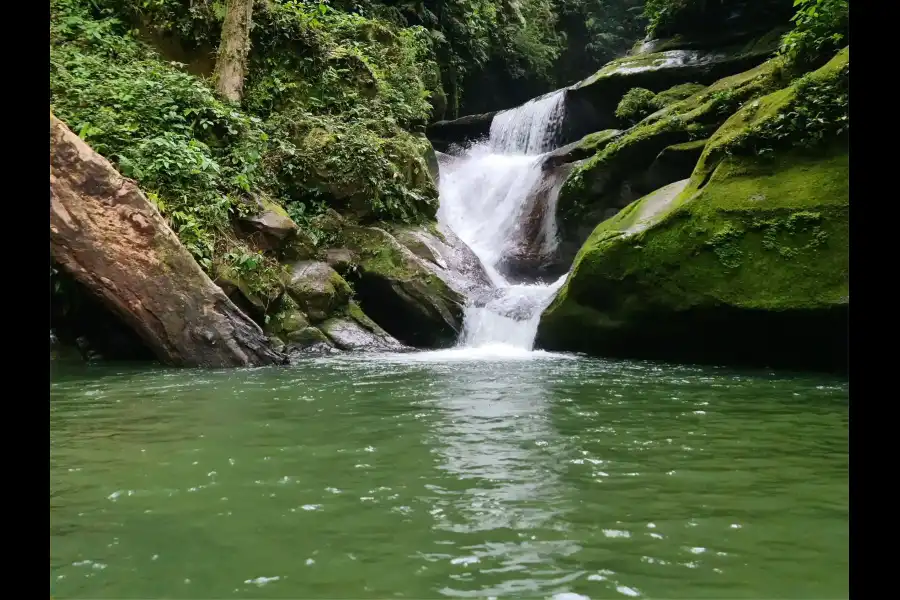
x=352 y=165
x=160 y=126
x=821 y=28
x=817 y=113
x=664 y=15
x=198 y=158
x=636 y=104
x=329 y=62
x=597 y=31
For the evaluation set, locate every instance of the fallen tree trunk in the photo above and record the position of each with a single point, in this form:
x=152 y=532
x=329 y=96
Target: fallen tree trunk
x=111 y=239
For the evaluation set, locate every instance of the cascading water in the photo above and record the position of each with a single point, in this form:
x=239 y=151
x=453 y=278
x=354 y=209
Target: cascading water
x=483 y=195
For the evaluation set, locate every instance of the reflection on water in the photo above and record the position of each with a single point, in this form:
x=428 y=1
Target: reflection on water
x=441 y=474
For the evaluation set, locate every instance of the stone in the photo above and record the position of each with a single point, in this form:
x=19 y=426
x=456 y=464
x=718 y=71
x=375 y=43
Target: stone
x=747 y=262
x=268 y=224
x=106 y=235
x=341 y=260
x=317 y=289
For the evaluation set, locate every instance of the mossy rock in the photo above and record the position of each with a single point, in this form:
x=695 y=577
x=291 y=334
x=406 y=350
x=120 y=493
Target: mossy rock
x=307 y=336
x=673 y=163
x=586 y=147
x=749 y=263
x=400 y=294
x=317 y=289
x=309 y=341
x=266 y=223
x=342 y=260
x=254 y=305
x=299 y=247
x=591 y=103
x=616 y=174
x=362 y=174
x=288 y=319
x=349 y=334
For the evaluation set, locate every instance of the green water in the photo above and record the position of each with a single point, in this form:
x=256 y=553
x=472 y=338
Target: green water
x=387 y=477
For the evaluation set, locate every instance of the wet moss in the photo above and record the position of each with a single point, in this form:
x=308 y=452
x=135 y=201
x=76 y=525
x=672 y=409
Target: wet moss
x=692 y=119
x=751 y=254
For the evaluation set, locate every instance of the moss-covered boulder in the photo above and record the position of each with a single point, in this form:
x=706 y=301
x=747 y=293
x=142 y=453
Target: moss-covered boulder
x=748 y=263
x=309 y=340
x=591 y=103
x=288 y=319
x=584 y=148
x=404 y=297
x=342 y=260
x=317 y=289
x=619 y=172
x=265 y=222
x=254 y=304
x=673 y=163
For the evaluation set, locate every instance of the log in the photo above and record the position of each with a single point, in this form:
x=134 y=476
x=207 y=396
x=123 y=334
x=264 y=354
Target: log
x=111 y=239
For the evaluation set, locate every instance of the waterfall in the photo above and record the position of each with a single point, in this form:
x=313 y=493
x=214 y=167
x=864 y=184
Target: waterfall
x=483 y=195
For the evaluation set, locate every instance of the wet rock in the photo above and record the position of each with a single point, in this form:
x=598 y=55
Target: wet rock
x=534 y=252
x=348 y=334
x=462 y=131
x=404 y=297
x=287 y=320
x=317 y=289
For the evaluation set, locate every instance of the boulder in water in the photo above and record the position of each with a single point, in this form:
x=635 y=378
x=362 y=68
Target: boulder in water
x=403 y=296
x=358 y=332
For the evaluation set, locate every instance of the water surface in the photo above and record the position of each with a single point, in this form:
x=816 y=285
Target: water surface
x=448 y=475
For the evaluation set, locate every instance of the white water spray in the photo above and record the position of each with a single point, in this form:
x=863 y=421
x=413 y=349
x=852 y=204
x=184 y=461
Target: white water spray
x=483 y=196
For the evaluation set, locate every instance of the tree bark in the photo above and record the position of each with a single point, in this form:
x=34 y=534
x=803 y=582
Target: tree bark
x=231 y=61
x=111 y=239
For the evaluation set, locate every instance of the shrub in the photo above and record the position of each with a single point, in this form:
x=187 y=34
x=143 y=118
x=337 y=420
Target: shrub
x=636 y=104
x=821 y=27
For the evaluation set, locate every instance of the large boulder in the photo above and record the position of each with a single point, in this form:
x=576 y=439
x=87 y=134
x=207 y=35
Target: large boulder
x=747 y=262
x=655 y=152
x=107 y=236
x=591 y=103
x=400 y=293
x=459 y=132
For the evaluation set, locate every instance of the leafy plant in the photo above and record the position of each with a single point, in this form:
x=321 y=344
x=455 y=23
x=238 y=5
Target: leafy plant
x=636 y=104
x=821 y=27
